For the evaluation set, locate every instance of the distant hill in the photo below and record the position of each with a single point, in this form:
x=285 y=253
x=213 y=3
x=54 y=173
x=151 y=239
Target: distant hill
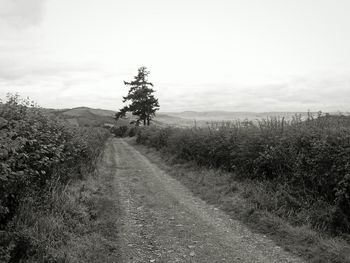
x=165 y=119
x=229 y=115
x=84 y=116
x=85 y=111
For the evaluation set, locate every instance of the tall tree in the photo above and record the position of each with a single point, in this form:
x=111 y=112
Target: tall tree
x=143 y=103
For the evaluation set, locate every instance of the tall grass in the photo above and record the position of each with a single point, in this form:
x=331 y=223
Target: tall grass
x=307 y=163
x=39 y=158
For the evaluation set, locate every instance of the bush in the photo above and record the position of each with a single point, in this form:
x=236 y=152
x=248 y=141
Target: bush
x=119 y=131
x=310 y=159
x=132 y=131
x=125 y=131
x=38 y=155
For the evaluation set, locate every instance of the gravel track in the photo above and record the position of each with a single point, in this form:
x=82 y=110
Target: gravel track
x=161 y=220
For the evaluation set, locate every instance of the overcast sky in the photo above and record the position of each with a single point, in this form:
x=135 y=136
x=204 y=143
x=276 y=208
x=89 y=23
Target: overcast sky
x=236 y=55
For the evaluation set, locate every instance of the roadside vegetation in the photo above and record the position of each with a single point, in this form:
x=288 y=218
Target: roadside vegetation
x=46 y=167
x=125 y=130
x=296 y=172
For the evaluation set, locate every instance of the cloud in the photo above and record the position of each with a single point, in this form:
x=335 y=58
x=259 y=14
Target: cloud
x=63 y=57
x=12 y=70
x=328 y=92
x=21 y=13
x=63 y=85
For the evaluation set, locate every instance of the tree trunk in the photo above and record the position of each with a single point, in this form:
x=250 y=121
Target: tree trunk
x=148 y=120
x=144 y=122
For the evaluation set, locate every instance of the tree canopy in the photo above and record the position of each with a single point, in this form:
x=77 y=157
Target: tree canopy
x=143 y=103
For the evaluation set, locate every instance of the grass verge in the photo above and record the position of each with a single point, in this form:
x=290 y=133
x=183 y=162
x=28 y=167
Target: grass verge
x=78 y=226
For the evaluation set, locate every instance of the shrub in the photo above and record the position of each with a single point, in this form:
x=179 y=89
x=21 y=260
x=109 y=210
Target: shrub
x=37 y=156
x=132 y=131
x=120 y=131
x=310 y=159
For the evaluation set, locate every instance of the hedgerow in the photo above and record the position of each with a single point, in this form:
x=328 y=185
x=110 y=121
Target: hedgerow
x=124 y=130
x=305 y=161
x=38 y=155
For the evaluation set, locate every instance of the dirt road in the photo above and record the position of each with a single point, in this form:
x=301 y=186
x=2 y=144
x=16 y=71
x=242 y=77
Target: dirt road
x=161 y=221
